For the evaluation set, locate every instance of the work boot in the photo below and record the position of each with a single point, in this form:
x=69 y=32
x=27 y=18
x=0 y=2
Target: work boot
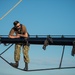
x=14 y=64
x=26 y=66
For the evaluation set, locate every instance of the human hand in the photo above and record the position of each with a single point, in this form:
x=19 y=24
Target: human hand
x=18 y=36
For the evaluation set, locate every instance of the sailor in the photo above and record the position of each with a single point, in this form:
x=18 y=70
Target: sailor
x=20 y=32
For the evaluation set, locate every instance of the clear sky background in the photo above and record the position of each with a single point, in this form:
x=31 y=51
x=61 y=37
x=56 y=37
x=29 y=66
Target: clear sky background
x=41 y=17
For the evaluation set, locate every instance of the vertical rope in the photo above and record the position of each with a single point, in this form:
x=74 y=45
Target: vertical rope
x=62 y=57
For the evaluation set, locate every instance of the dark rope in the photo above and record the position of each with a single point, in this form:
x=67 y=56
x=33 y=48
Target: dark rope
x=51 y=69
x=62 y=57
x=37 y=69
x=6 y=49
x=4 y=60
x=8 y=62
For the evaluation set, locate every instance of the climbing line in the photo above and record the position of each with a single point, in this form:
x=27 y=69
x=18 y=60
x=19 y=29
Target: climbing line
x=38 y=69
x=6 y=49
x=10 y=10
x=4 y=60
x=62 y=57
x=51 y=69
x=59 y=66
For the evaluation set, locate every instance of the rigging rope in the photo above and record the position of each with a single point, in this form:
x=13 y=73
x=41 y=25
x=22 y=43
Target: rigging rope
x=62 y=57
x=6 y=49
x=39 y=69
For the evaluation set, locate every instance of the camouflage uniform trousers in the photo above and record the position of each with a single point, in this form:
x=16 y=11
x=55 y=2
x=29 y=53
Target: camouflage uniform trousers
x=18 y=50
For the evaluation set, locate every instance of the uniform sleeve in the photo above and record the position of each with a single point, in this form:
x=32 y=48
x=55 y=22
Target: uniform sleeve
x=11 y=32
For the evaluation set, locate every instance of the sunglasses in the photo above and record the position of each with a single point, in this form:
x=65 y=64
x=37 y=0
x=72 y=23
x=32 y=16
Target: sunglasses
x=17 y=26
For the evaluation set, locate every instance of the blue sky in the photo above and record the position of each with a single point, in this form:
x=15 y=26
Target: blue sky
x=41 y=17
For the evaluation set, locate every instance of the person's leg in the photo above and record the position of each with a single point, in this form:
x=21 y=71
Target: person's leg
x=16 y=55
x=26 y=56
